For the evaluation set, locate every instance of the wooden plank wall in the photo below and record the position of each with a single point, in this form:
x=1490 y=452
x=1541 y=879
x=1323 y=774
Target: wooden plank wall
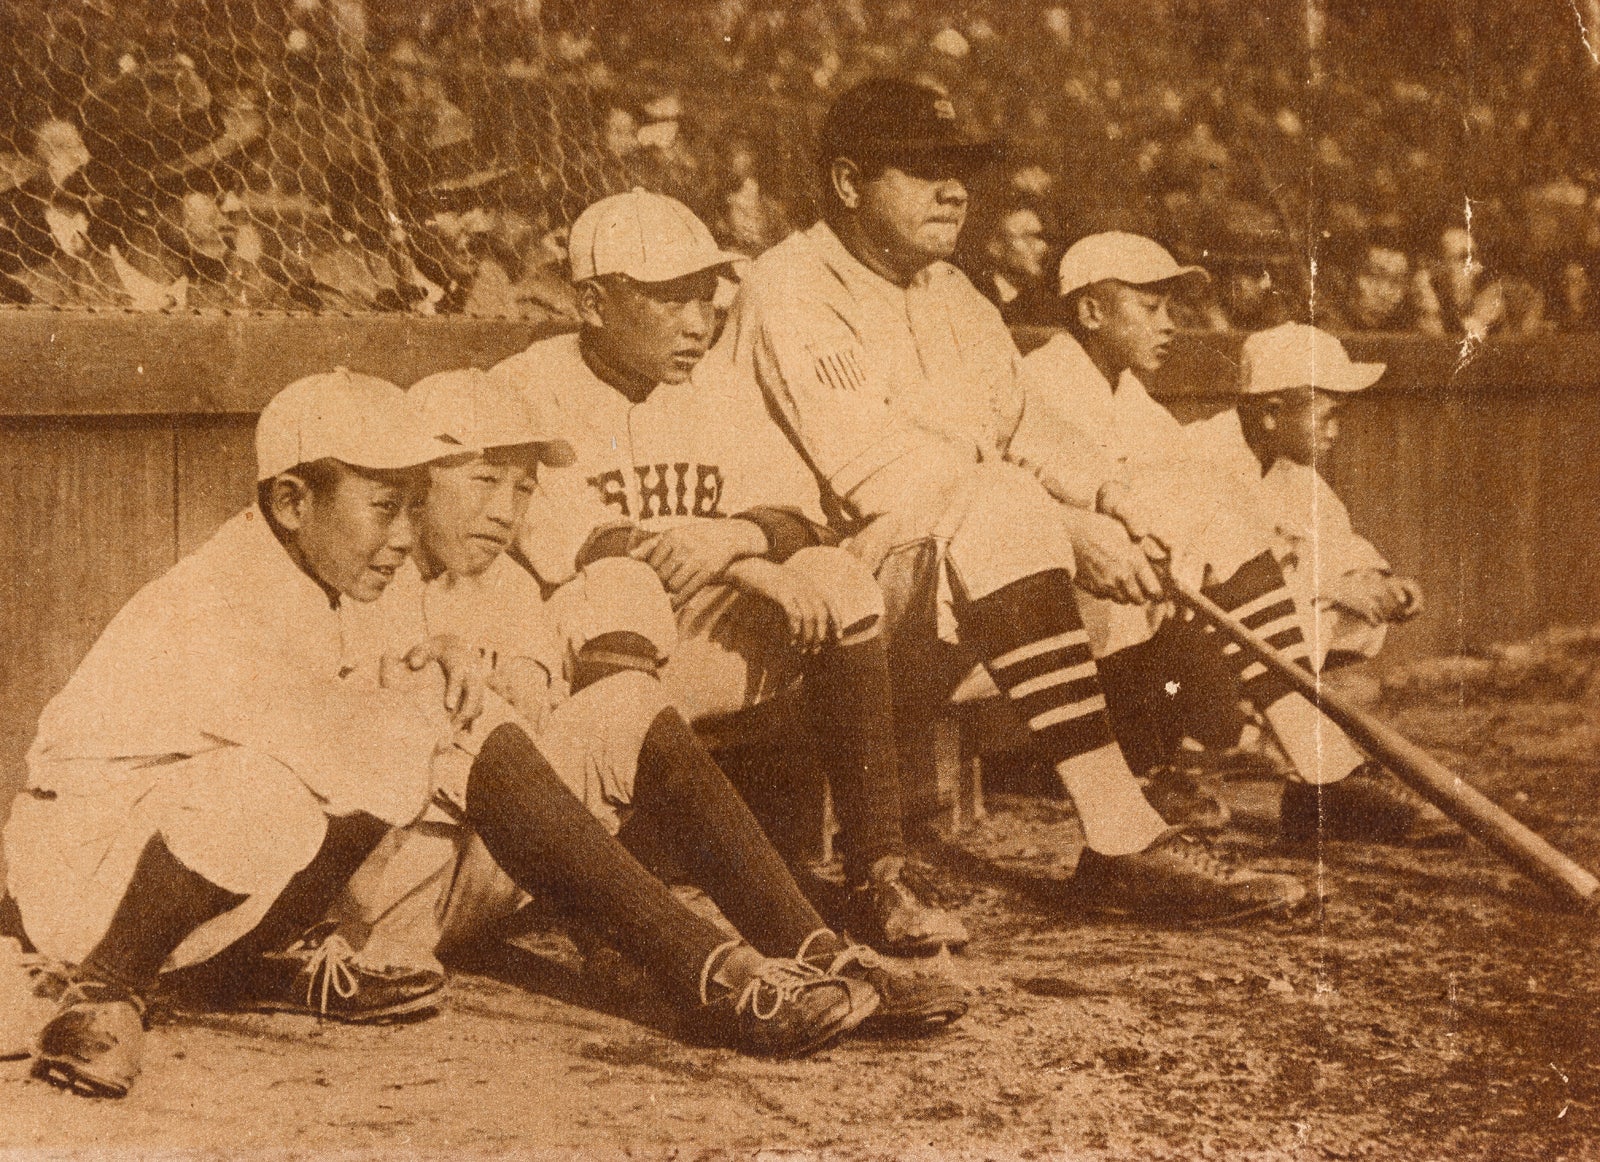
x=124 y=441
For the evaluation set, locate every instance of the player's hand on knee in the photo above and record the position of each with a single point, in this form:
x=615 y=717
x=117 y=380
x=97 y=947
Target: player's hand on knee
x=812 y=622
x=1363 y=594
x=1110 y=565
x=465 y=674
x=689 y=557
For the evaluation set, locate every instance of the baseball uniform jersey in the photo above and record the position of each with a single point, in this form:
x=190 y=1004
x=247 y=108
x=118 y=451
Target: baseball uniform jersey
x=433 y=882
x=1083 y=432
x=902 y=401
x=700 y=450
x=228 y=708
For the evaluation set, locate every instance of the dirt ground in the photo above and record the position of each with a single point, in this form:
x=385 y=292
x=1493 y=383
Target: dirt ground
x=1433 y=1005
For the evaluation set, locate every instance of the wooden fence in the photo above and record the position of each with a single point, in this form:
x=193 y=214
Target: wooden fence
x=125 y=440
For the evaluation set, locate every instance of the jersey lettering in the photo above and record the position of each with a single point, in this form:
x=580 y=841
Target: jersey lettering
x=612 y=489
x=663 y=490
x=707 y=490
x=656 y=492
x=683 y=487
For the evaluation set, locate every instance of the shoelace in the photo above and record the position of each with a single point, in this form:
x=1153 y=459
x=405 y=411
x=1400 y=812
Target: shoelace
x=330 y=965
x=850 y=954
x=88 y=990
x=786 y=979
x=1192 y=851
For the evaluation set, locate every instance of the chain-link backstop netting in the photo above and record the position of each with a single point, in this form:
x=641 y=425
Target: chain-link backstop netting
x=295 y=155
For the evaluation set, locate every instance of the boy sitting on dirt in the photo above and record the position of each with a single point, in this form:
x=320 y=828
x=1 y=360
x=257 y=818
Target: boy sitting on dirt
x=213 y=772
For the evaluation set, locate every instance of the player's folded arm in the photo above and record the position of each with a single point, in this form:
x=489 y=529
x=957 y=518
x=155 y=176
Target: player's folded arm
x=787 y=530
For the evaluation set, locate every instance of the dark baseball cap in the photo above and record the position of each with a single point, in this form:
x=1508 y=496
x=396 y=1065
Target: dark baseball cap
x=885 y=118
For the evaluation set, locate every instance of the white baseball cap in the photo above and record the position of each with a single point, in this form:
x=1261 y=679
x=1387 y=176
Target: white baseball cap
x=1294 y=355
x=1129 y=258
x=648 y=237
x=364 y=421
x=472 y=411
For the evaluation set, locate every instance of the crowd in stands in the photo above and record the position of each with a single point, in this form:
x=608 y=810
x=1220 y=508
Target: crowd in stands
x=1431 y=161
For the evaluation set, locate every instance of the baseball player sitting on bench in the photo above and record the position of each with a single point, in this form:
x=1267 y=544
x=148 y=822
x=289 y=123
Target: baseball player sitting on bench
x=898 y=384
x=1103 y=443
x=621 y=773
x=676 y=471
x=1292 y=381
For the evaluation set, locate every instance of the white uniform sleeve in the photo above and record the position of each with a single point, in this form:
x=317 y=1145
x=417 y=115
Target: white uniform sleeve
x=1051 y=440
x=557 y=529
x=1316 y=522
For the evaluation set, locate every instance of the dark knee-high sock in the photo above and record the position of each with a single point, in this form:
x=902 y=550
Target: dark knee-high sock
x=1257 y=596
x=690 y=804
x=1032 y=641
x=546 y=840
x=1175 y=684
x=165 y=901
x=849 y=710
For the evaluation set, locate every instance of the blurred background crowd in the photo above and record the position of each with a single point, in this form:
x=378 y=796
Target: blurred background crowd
x=1432 y=161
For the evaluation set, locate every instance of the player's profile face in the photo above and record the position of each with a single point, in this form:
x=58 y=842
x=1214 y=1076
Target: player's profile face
x=354 y=535
x=474 y=506
x=913 y=212
x=1136 y=326
x=655 y=332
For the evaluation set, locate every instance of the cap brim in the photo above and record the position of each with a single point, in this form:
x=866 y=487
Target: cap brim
x=1198 y=275
x=710 y=260
x=1356 y=377
x=557 y=453
x=410 y=453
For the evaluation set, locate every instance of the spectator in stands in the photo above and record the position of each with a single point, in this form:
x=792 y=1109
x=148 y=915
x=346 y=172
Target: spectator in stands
x=1455 y=296
x=1011 y=268
x=1573 y=304
x=1372 y=288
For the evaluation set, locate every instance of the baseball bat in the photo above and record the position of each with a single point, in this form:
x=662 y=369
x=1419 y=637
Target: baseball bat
x=1474 y=812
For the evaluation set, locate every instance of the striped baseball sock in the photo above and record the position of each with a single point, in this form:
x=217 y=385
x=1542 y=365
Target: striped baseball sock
x=1033 y=644
x=1258 y=597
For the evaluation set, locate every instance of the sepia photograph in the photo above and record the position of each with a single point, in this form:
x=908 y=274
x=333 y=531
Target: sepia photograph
x=800 y=580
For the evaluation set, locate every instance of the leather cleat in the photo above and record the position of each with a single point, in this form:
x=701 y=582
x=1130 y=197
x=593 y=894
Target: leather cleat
x=787 y=1008
x=320 y=976
x=94 y=1043
x=31 y=987
x=1178 y=880
x=1367 y=805
x=1184 y=799
x=885 y=914
x=910 y=1001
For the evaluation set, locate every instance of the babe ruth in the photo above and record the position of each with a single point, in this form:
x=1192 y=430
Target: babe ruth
x=579 y=675
x=898 y=384
x=1292 y=381
x=1102 y=442
x=679 y=472
x=215 y=769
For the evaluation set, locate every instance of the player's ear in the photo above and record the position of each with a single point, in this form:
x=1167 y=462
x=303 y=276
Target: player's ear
x=845 y=177
x=288 y=498
x=591 y=303
x=1089 y=311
